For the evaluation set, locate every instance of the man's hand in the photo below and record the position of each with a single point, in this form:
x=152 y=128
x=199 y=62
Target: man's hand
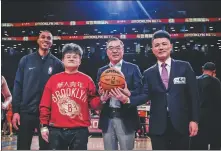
x=125 y=91
x=45 y=133
x=4 y=106
x=116 y=92
x=193 y=128
x=105 y=96
x=100 y=90
x=16 y=120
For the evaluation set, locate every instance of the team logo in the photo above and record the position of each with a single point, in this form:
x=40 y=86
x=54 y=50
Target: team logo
x=50 y=70
x=69 y=107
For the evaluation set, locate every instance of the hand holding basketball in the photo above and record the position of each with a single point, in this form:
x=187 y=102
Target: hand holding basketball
x=116 y=92
x=105 y=96
x=125 y=91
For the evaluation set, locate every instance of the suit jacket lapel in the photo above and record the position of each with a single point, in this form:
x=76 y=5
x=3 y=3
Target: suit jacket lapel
x=124 y=68
x=124 y=71
x=172 y=72
x=105 y=68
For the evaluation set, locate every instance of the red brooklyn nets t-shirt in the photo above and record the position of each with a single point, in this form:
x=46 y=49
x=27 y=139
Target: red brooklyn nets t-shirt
x=66 y=100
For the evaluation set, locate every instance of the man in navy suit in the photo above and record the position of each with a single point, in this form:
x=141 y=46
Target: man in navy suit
x=118 y=119
x=172 y=88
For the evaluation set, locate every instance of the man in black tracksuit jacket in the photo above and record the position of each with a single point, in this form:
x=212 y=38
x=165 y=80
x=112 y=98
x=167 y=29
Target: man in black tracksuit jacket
x=33 y=72
x=210 y=110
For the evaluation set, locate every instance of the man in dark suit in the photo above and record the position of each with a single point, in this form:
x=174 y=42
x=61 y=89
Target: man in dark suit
x=119 y=120
x=172 y=88
x=210 y=113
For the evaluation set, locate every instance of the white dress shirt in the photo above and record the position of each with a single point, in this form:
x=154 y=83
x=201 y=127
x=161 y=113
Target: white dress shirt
x=168 y=66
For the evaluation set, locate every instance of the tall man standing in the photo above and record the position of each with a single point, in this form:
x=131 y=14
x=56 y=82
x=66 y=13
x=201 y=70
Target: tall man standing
x=33 y=72
x=172 y=88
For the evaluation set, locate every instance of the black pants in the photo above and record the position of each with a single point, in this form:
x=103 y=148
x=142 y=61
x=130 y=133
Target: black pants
x=72 y=139
x=170 y=140
x=26 y=130
x=3 y=117
x=207 y=135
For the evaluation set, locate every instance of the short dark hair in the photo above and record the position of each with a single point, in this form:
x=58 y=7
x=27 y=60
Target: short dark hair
x=114 y=39
x=161 y=34
x=72 y=48
x=209 y=66
x=44 y=31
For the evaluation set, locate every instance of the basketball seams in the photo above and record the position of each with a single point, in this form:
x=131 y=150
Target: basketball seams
x=114 y=76
x=111 y=84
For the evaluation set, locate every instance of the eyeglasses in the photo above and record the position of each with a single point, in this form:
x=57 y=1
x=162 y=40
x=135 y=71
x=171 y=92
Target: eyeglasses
x=111 y=48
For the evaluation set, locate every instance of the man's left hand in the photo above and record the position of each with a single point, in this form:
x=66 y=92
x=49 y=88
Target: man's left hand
x=116 y=92
x=125 y=91
x=193 y=128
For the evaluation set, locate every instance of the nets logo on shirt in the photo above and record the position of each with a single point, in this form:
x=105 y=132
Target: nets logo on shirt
x=69 y=107
x=50 y=69
x=67 y=97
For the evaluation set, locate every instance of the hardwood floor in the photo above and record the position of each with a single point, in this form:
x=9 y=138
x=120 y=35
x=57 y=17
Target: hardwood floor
x=9 y=143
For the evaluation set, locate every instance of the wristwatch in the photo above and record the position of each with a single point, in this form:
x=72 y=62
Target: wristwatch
x=127 y=101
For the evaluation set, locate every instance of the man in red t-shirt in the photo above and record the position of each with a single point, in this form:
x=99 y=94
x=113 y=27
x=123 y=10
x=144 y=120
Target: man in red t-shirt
x=64 y=107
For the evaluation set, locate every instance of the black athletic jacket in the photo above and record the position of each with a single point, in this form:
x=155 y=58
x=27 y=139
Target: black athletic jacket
x=32 y=74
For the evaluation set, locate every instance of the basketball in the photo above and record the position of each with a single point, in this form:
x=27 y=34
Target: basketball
x=112 y=78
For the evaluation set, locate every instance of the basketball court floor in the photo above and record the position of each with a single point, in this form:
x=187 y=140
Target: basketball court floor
x=9 y=143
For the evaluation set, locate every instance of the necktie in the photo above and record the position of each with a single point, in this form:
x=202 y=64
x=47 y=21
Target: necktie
x=164 y=75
